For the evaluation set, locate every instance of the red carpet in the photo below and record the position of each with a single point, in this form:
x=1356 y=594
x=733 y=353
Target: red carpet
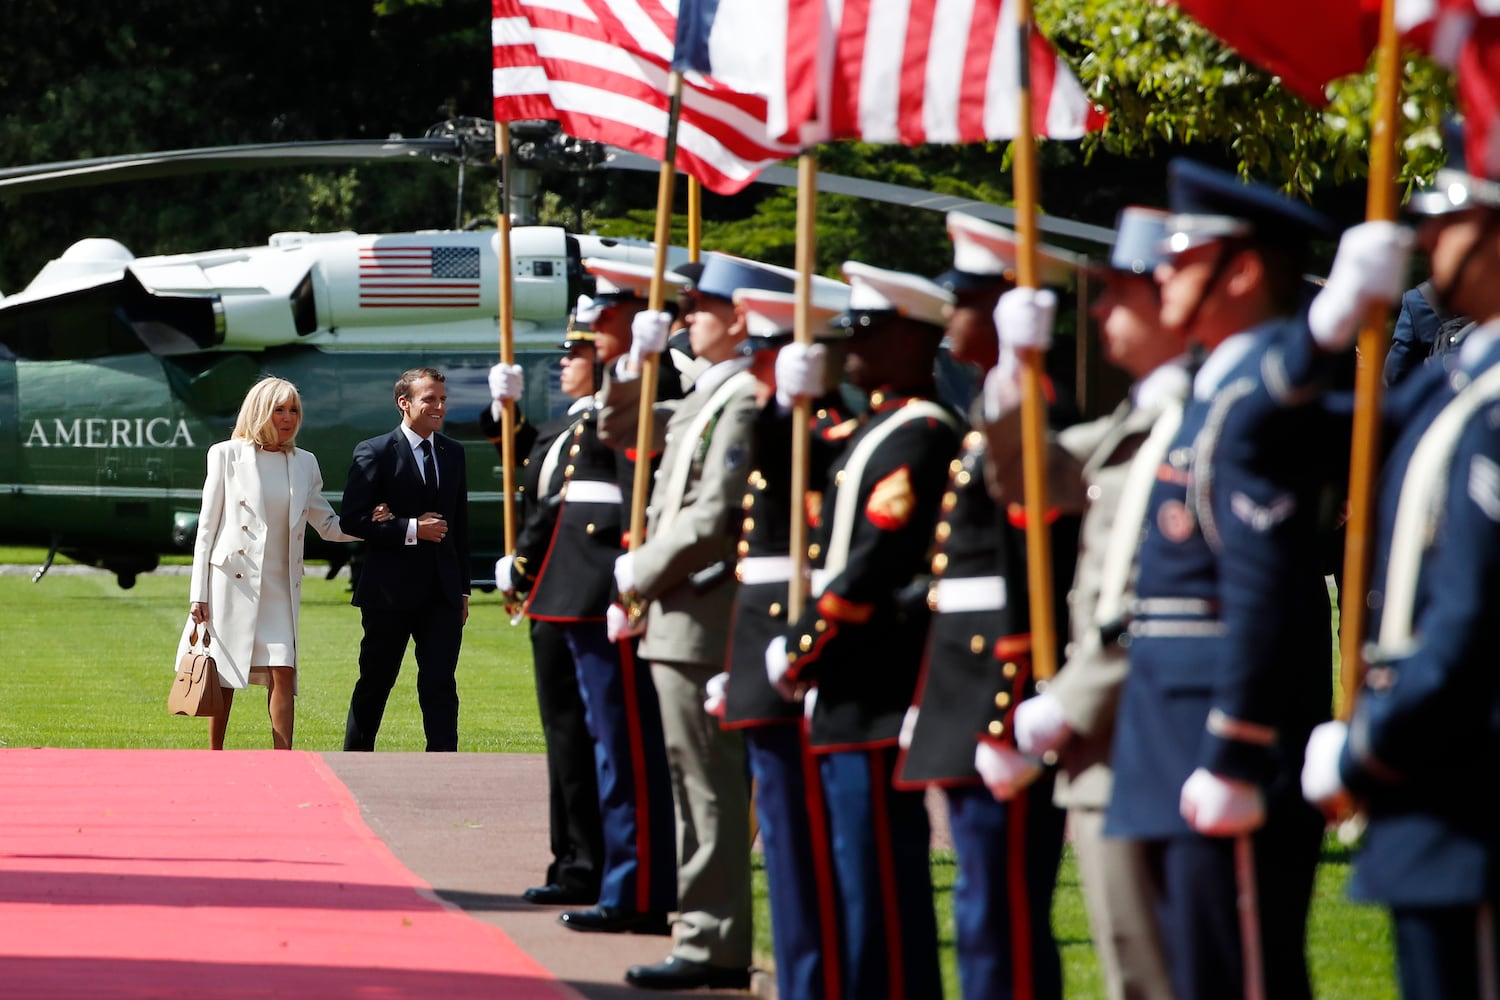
x=162 y=873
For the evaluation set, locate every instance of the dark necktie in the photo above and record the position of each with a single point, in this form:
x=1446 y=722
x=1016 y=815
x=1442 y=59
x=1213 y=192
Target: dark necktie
x=429 y=467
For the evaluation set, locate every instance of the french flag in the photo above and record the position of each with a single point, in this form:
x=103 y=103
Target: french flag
x=884 y=71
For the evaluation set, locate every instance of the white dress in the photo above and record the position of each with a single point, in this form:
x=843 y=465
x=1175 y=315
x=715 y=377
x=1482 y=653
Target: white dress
x=275 y=627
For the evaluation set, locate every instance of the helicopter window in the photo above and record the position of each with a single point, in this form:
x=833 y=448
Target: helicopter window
x=82 y=324
x=305 y=307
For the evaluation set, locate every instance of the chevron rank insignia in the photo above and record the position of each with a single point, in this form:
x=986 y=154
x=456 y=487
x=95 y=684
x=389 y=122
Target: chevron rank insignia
x=1484 y=486
x=891 y=501
x=1261 y=518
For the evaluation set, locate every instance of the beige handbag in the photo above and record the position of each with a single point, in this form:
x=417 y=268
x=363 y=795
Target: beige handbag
x=195 y=689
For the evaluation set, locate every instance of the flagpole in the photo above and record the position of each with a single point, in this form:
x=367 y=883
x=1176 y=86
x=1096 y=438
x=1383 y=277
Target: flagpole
x=1380 y=205
x=695 y=218
x=807 y=214
x=1033 y=428
x=650 y=363
x=507 y=340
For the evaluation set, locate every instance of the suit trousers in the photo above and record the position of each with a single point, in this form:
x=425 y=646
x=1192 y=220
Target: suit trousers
x=630 y=767
x=1002 y=922
x=576 y=836
x=1197 y=892
x=804 y=927
x=881 y=845
x=711 y=794
x=436 y=629
x=1122 y=913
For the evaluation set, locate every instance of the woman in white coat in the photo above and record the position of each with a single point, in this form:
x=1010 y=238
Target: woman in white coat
x=260 y=494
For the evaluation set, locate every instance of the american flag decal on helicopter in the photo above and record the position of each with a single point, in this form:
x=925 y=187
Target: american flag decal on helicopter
x=418 y=277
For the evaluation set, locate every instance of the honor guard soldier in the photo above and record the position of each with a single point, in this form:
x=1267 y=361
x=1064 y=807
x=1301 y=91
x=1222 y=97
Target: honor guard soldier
x=577 y=837
x=1073 y=717
x=1229 y=632
x=1424 y=741
x=571 y=584
x=683 y=574
x=788 y=801
x=859 y=644
x=978 y=667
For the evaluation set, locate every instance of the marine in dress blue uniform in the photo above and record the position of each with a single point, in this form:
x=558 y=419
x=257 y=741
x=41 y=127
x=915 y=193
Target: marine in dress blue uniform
x=572 y=585
x=1423 y=745
x=978 y=668
x=788 y=797
x=575 y=833
x=860 y=642
x=1229 y=641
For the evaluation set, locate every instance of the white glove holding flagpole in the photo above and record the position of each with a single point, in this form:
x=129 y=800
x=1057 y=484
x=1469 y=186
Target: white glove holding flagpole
x=1002 y=386
x=1024 y=317
x=1217 y=806
x=648 y=333
x=799 y=372
x=717 y=690
x=1321 y=781
x=507 y=383
x=777 y=666
x=1040 y=725
x=1369 y=268
x=617 y=624
x=625 y=573
x=1004 y=769
x=504 y=578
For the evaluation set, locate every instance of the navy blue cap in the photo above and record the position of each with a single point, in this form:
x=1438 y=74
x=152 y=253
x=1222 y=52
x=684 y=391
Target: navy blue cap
x=722 y=275
x=1140 y=235
x=1209 y=204
x=692 y=271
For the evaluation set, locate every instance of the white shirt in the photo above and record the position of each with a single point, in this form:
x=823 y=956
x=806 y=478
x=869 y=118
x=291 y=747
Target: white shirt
x=1168 y=380
x=415 y=441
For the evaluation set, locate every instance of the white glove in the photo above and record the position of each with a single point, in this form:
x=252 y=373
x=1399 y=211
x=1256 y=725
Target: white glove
x=1005 y=770
x=617 y=624
x=1369 y=268
x=625 y=573
x=1321 y=783
x=717 y=689
x=777 y=666
x=1002 y=386
x=1023 y=318
x=507 y=382
x=799 y=372
x=1040 y=725
x=648 y=332
x=504 y=579
x=908 y=727
x=1217 y=806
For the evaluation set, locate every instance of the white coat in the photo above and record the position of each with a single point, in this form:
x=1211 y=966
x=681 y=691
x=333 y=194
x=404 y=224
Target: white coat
x=230 y=550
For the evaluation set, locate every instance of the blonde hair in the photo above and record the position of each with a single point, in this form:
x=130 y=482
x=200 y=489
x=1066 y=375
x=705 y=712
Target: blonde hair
x=254 y=422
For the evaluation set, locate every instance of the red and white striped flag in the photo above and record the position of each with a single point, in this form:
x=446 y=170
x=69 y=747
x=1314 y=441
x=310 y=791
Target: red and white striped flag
x=600 y=68
x=887 y=71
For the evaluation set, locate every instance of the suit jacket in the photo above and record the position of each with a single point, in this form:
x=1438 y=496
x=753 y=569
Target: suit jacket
x=685 y=566
x=397 y=575
x=231 y=548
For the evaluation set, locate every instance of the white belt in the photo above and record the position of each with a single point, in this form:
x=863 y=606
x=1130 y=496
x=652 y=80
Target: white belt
x=1175 y=607
x=952 y=595
x=592 y=491
x=1159 y=628
x=764 y=569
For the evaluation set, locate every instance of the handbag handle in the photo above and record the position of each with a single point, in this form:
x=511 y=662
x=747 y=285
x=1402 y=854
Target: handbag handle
x=193 y=636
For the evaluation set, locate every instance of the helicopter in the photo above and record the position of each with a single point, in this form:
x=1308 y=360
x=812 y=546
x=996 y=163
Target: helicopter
x=117 y=372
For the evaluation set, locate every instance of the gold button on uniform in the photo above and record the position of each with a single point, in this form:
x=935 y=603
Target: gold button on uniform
x=814 y=550
x=743 y=548
x=944 y=529
x=977 y=644
x=749 y=525
x=1002 y=700
x=950 y=500
x=962 y=478
x=820 y=625
x=939 y=562
x=973 y=439
x=805 y=643
x=589 y=529
x=1010 y=670
x=775 y=610
x=955 y=467
x=997 y=729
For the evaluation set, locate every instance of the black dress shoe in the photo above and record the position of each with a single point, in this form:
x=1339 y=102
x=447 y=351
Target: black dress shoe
x=681 y=974
x=558 y=895
x=614 y=920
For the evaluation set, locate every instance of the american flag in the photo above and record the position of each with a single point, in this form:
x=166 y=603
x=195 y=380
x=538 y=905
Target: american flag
x=888 y=71
x=600 y=68
x=418 y=277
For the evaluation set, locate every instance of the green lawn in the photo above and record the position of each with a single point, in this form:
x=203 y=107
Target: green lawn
x=117 y=647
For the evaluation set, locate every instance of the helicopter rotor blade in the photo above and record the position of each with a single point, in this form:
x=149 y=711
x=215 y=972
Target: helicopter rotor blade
x=149 y=166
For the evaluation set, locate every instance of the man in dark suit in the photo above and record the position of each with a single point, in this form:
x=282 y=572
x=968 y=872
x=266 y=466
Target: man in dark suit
x=415 y=584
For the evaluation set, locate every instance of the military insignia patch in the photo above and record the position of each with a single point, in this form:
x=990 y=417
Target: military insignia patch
x=1259 y=517
x=1484 y=486
x=1175 y=521
x=892 y=501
